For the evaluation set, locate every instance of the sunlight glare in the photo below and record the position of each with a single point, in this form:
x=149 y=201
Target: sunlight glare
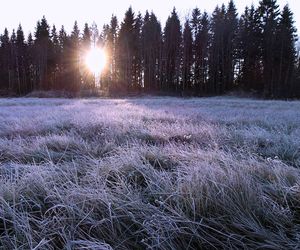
x=95 y=60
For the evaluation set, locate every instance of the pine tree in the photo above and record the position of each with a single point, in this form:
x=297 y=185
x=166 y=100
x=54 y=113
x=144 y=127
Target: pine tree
x=42 y=45
x=187 y=60
x=5 y=60
x=64 y=45
x=74 y=57
x=21 y=61
x=31 y=73
x=54 y=58
x=125 y=53
x=86 y=43
x=269 y=12
x=172 y=53
x=196 y=26
x=151 y=52
x=86 y=38
x=296 y=82
x=217 y=52
x=137 y=53
x=195 y=22
x=111 y=47
x=286 y=56
x=230 y=46
x=13 y=78
x=250 y=54
x=200 y=51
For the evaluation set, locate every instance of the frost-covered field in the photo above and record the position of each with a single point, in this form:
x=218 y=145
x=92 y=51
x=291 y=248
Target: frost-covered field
x=156 y=173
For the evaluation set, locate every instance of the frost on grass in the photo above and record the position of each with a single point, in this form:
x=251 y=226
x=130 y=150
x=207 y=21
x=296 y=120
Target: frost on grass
x=157 y=173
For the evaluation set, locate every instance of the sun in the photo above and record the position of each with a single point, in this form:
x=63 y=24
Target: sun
x=95 y=60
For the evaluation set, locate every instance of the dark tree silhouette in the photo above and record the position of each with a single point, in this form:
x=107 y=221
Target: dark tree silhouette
x=151 y=52
x=217 y=52
x=126 y=45
x=201 y=53
x=285 y=56
x=172 y=53
x=208 y=55
x=187 y=57
x=5 y=61
x=269 y=12
x=42 y=45
x=250 y=54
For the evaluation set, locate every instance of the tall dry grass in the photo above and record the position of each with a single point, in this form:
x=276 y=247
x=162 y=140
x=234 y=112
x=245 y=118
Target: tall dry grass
x=152 y=173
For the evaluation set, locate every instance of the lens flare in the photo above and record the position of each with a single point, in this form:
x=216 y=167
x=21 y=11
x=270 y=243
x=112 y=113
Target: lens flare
x=95 y=60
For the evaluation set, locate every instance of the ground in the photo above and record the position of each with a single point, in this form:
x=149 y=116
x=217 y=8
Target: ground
x=151 y=173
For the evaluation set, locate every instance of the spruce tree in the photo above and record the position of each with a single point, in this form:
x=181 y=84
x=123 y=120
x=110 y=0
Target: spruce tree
x=137 y=53
x=195 y=22
x=172 y=52
x=21 y=61
x=86 y=43
x=201 y=50
x=217 y=52
x=230 y=46
x=125 y=53
x=86 y=38
x=5 y=60
x=74 y=57
x=296 y=82
x=14 y=86
x=112 y=43
x=30 y=72
x=250 y=53
x=187 y=59
x=286 y=56
x=151 y=52
x=64 y=45
x=42 y=45
x=269 y=13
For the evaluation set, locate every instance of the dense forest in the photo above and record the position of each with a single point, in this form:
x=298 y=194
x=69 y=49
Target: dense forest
x=206 y=55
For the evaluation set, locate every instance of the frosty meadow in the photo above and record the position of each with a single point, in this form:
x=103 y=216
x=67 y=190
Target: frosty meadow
x=149 y=173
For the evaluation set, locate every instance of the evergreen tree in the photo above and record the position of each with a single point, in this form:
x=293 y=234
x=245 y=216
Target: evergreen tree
x=94 y=34
x=31 y=73
x=125 y=54
x=151 y=52
x=54 y=58
x=195 y=22
x=217 y=52
x=86 y=38
x=230 y=46
x=111 y=49
x=250 y=54
x=269 y=12
x=286 y=56
x=137 y=53
x=21 y=61
x=187 y=60
x=296 y=82
x=42 y=45
x=87 y=76
x=5 y=60
x=201 y=49
x=64 y=46
x=13 y=75
x=172 y=53
x=74 y=57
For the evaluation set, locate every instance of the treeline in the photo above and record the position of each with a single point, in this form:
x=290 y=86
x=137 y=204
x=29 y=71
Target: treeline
x=207 y=55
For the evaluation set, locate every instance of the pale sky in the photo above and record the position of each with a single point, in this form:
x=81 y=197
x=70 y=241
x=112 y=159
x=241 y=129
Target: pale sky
x=65 y=12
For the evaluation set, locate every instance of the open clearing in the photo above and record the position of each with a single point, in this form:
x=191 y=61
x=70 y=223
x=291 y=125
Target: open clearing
x=152 y=173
